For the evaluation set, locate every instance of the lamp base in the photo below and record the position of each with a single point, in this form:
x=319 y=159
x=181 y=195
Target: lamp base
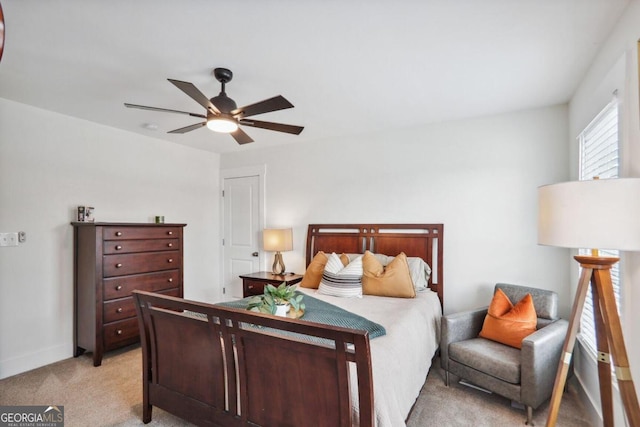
x=609 y=338
x=278 y=264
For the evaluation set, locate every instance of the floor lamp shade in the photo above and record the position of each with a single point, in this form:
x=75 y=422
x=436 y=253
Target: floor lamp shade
x=277 y=240
x=600 y=214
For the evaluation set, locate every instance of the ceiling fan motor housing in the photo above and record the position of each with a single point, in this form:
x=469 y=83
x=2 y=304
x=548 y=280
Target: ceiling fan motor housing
x=223 y=103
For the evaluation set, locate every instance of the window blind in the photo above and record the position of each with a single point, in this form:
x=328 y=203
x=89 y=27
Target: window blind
x=599 y=147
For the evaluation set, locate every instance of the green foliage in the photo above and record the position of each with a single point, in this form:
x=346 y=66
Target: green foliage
x=273 y=296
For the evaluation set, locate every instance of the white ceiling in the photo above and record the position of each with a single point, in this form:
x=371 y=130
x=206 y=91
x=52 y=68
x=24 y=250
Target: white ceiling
x=348 y=66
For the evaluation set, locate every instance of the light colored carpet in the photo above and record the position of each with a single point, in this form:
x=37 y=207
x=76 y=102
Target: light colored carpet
x=111 y=395
x=462 y=406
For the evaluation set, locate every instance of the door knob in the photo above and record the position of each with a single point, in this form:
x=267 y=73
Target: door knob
x=254 y=254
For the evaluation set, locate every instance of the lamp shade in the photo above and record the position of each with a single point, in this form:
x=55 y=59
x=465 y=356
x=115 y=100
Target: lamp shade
x=277 y=239
x=599 y=214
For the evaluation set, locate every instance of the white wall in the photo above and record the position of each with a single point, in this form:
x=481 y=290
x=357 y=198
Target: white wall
x=51 y=163
x=615 y=68
x=478 y=177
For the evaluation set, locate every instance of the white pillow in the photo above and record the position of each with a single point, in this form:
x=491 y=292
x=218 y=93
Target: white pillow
x=341 y=281
x=420 y=272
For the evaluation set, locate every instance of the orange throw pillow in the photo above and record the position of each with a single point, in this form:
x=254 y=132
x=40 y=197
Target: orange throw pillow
x=394 y=280
x=507 y=323
x=313 y=274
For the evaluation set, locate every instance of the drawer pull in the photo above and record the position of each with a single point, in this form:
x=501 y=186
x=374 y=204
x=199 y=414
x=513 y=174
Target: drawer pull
x=170 y=233
x=250 y=286
x=118 y=233
x=170 y=245
x=119 y=332
x=119 y=287
x=119 y=310
x=118 y=247
x=170 y=260
x=170 y=279
x=118 y=265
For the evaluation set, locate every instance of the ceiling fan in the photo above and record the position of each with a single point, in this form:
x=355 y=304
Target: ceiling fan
x=222 y=113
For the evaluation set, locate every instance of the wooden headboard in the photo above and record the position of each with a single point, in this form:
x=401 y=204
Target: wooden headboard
x=415 y=240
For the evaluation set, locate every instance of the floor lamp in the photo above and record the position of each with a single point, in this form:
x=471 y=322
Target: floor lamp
x=601 y=214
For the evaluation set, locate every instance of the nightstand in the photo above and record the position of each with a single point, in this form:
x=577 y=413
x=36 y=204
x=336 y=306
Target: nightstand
x=253 y=284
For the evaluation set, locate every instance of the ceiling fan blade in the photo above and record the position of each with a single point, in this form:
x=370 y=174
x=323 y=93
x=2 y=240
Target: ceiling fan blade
x=280 y=127
x=165 y=110
x=195 y=93
x=272 y=104
x=188 y=128
x=241 y=137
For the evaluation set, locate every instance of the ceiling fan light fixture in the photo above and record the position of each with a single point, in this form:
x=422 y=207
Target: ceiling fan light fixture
x=222 y=124
x=221 y=113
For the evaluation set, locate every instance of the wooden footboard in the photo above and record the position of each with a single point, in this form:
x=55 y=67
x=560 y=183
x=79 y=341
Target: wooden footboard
x=220 y=366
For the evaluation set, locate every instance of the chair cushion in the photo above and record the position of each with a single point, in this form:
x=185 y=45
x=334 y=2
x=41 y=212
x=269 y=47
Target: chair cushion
x=507 y=323
x=492 y=358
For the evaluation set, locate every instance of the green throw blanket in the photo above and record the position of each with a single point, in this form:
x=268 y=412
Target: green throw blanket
x=319 y=311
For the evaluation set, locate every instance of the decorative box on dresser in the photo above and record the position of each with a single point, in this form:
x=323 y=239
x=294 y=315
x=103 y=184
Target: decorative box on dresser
x=110 y=261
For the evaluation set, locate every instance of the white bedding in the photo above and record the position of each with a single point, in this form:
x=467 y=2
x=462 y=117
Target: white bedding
x=400 y=359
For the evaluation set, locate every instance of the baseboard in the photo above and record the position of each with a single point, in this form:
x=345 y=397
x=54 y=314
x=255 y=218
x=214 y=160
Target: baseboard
x=27 y=362
x=587 y=402
x=586 y=383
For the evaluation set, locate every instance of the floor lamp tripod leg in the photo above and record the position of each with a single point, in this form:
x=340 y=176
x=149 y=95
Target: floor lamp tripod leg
x=604 y=359
x=616 y=341
x=567 y=348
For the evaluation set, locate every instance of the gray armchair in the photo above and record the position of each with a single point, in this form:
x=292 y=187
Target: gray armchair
x=524 y=375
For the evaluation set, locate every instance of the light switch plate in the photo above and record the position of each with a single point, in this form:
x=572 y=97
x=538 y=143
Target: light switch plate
x=8 y=239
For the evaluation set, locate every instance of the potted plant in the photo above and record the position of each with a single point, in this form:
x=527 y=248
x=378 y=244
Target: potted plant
x=281 y=301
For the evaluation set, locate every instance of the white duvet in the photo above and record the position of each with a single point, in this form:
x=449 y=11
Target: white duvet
x=400 y=359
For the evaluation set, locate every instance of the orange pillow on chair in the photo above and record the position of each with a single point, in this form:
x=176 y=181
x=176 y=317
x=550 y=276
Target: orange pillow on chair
x=507 y=323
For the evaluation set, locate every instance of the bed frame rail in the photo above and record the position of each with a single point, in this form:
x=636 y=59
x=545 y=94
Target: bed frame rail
x=220 y=366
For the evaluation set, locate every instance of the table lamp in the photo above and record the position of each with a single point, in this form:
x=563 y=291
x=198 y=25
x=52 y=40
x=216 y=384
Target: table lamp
x=603 y=214
x=277 y=240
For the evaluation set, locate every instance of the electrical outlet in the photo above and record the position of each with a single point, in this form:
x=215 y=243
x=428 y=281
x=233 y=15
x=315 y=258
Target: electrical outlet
x=8 y=239
x=22 y=237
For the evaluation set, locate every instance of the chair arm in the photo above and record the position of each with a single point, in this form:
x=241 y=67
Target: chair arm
x=540 y=356
x=459 y=327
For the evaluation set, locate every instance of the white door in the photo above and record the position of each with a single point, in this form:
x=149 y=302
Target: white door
x=241 y=231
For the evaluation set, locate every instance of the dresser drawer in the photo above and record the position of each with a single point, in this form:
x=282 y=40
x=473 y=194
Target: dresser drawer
x=119 y=287
x=149 y=245
x=120 y=265
x=120 y=333
x=124 y=308
x=131 y=233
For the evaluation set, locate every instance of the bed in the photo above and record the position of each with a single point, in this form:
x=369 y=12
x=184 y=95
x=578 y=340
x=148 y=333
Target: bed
x=219 y=365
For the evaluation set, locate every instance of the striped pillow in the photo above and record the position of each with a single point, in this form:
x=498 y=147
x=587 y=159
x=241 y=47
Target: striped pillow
x=341 y=281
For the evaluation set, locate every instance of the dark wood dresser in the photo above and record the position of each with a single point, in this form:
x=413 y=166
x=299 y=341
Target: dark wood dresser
x=111 y=260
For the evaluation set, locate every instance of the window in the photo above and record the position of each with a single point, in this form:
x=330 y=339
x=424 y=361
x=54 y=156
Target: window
x=599 y=158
